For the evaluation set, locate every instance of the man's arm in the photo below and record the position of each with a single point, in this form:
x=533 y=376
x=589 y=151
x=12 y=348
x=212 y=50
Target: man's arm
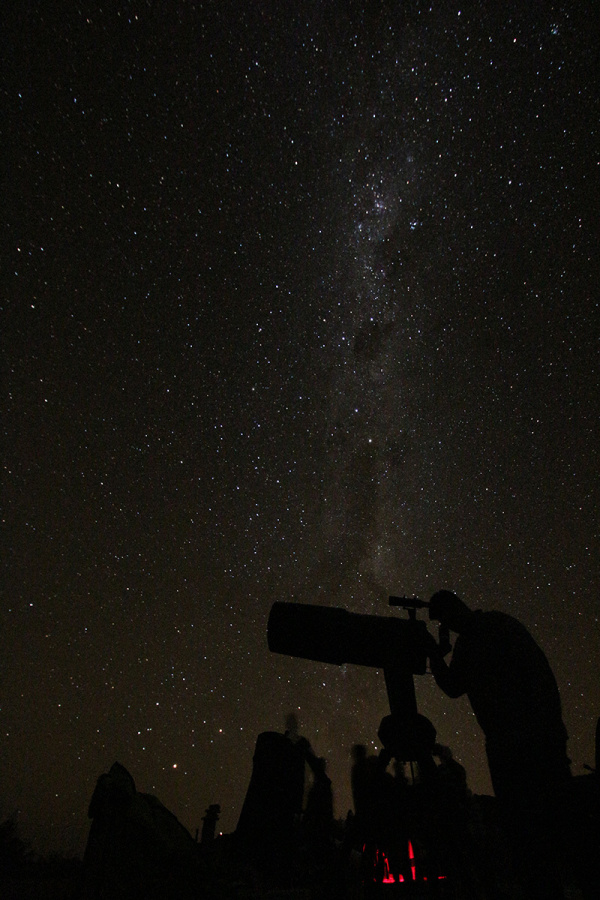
x=446 y=676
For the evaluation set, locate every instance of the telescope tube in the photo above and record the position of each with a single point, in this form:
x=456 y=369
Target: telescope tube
x=333 y=635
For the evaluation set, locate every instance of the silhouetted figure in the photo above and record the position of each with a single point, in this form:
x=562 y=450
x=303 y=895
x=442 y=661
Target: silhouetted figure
x=136 y=847
x=585 y=847
x=291 y=728
x=267 y=830
x=362 y=835
x=318 y=815
x=515 y=698
x=451 y=773
x=454 y=810
x=359 y=781
x=317 y=844
x=210 y=819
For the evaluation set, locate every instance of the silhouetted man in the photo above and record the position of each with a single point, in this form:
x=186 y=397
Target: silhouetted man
x=515 y=698
x=210 y=819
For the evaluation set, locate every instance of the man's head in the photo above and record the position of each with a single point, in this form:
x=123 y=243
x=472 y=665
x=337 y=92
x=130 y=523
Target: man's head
x=448 y=609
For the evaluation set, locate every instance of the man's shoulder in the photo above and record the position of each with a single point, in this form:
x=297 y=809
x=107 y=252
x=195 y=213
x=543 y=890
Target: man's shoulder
x=495 y=629
x=493 y=617
x=494 y=622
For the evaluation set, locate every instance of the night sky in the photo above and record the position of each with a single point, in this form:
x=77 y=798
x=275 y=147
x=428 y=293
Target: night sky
x=299 y=302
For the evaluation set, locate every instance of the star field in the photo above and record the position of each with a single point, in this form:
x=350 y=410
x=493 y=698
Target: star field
x=300 y=303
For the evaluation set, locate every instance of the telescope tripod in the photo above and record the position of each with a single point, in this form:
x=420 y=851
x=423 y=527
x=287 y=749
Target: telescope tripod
x=403 y=849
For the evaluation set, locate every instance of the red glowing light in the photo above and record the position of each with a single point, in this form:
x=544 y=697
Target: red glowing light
x=381 y=867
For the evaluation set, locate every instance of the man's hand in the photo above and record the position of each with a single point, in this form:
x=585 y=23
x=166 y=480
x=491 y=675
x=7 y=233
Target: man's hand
x=444 y=674
x=432 y=647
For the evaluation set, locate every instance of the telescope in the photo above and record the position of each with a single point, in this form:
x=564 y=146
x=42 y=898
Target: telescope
x=333 y=635
x=399 y=646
